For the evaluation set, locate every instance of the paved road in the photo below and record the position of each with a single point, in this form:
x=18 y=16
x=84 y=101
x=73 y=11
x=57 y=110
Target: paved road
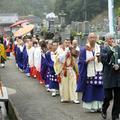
x=34 y=103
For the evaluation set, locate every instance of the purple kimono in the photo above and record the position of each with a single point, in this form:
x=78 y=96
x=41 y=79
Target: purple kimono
x=25 y=61
x=45 y=69
x=53 y=83
x=90 y=92
x=19 y=57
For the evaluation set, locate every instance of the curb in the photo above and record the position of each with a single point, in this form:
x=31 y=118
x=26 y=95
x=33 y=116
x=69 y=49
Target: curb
x=12 y=111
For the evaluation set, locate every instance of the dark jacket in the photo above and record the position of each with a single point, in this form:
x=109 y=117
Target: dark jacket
x=111 y=77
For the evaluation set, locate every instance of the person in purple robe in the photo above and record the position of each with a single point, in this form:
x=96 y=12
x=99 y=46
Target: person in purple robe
x=90 y=81
x=45 y=71
x=26 y=67
x=19 y=54
x=53 y=82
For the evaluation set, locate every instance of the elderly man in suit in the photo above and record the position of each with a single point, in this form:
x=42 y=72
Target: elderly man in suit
x=110 y=57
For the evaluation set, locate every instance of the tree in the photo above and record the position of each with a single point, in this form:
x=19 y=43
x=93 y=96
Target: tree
x=76 y=9
x=117 y=7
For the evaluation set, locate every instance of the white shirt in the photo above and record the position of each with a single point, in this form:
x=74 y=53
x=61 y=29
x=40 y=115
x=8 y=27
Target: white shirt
x=53 y=56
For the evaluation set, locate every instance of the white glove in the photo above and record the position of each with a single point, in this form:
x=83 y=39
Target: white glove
x=116 y=67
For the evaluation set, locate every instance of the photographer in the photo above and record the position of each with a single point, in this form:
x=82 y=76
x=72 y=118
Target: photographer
x=110 y=57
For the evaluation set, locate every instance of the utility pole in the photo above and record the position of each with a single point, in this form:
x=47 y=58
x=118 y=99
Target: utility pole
x=85 y=10
x=111 y=16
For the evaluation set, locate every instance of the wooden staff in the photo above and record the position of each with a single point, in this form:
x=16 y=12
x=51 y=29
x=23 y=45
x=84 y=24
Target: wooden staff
x=1 y=88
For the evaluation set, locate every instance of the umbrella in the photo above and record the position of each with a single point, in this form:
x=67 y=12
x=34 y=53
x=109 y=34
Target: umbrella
x=20 y=22
x=23 y=31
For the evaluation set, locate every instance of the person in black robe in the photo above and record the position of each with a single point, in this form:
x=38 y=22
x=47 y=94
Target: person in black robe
x=110 y=57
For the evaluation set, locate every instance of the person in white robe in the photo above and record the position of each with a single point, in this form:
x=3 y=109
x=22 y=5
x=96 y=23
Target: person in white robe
x=31 y=57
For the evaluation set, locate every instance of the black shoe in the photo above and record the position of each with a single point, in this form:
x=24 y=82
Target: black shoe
x=104 y=115
x=115 y=118
x=99 y=111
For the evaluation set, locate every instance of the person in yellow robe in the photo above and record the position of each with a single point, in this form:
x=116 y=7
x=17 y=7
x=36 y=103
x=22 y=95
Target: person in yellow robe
x=65 y=68
x=2 y=53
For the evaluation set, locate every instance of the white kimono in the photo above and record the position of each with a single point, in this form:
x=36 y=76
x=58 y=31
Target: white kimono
x=31 y=56
x=37 y=58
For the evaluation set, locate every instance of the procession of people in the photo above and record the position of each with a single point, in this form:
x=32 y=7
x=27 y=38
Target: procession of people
x=65 y=69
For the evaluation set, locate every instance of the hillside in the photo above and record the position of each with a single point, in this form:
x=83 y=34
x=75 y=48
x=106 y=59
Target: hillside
x=25 y=7
x=99 y=19
x=80 y=10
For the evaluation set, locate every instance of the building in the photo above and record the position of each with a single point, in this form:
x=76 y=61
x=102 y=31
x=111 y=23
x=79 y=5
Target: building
x=6 y=20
